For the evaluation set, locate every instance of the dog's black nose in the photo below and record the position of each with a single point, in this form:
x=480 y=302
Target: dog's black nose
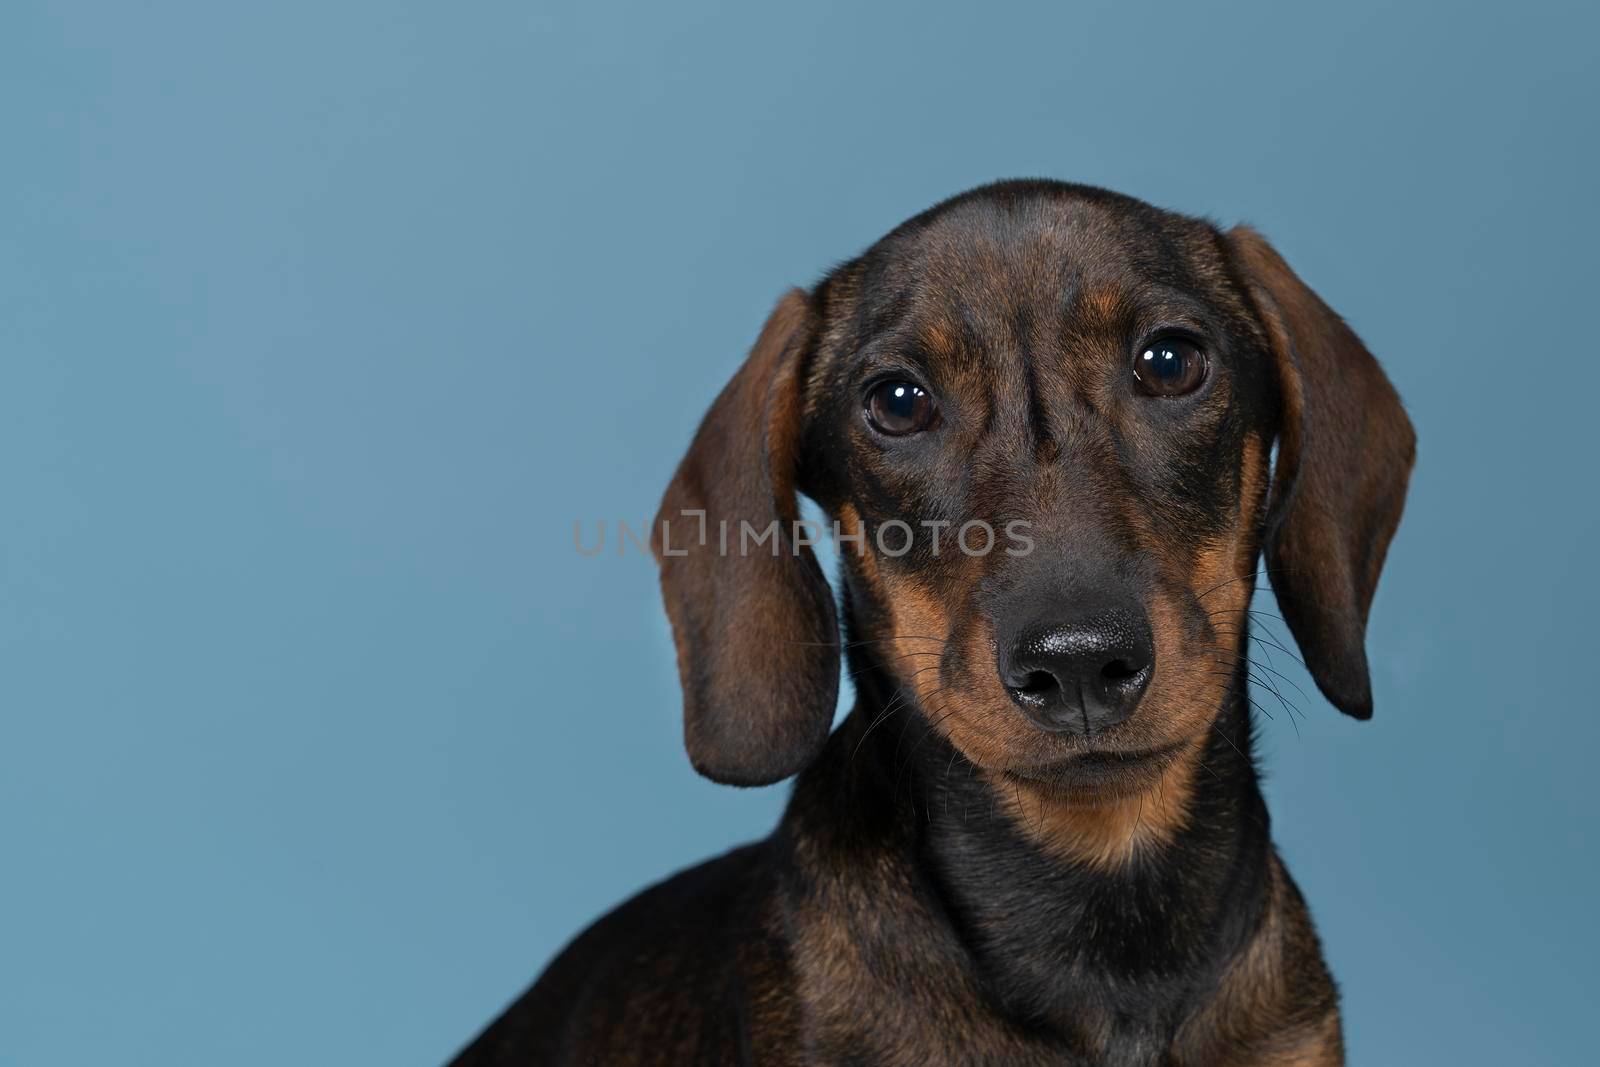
x=1082 y=676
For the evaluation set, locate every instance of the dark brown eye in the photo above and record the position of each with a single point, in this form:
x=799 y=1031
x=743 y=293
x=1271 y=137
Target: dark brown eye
x=1170 y=366
x=898 y=408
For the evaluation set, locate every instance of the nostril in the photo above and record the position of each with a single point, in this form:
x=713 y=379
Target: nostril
x=1120 y=670
x=1038 y=683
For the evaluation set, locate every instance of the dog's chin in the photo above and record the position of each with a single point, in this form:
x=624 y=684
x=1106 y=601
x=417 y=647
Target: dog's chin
x=1099 y=776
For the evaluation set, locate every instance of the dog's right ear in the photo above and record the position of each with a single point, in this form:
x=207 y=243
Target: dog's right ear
x=754 y=622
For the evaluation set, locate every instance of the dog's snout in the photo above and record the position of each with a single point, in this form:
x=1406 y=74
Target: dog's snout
x=1080 y=676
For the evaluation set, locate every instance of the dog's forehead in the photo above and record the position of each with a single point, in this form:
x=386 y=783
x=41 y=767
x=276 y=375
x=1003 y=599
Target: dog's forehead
x=1017 y=251
x=1008 y=257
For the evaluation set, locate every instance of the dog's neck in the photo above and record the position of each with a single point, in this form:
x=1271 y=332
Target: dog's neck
x=1074 y=942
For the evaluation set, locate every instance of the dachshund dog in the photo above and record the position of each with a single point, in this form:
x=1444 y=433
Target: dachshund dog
x=1042 y=419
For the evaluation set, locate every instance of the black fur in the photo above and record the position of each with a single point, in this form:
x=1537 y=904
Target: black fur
x=907 y=910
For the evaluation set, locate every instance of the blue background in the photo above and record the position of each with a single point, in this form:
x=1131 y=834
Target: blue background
x=321 y=323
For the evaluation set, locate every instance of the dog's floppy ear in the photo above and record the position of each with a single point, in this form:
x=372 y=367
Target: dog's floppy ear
x=1345 y=449
x=754 y=622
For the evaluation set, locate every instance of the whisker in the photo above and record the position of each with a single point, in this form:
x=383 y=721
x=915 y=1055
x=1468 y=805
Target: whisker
x=1243 y=577
x=1259 y=640
x=926 y=700
x=872 y=641
x=1240 y=656
x=1270 y=686
x=893 y=705
x=892 y=659
x=1298 y=688
x=1228 y=739
x=910 y=755
x=1248 y=611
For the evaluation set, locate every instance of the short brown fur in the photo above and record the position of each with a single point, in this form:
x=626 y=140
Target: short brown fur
x=984 y=864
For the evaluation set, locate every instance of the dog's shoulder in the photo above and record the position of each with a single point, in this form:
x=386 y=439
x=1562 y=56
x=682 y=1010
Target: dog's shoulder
x=1275 y=1002
x=669 y=976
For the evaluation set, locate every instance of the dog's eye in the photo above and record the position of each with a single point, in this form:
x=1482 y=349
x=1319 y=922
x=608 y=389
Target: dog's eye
x=897 y=408
x=1170 y=366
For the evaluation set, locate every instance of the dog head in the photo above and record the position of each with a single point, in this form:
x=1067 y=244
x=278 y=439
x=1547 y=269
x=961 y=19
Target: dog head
x=1042 y=418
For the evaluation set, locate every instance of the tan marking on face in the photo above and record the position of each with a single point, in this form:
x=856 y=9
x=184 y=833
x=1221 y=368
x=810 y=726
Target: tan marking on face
x=918 y=627
x=1099 y=307
x=939 y=337
x=850 y=522
x=909 y=650
x=1252 y=501
x=1223 y=581
x=1190 y=680
x=974 y=713
x=1195 y=665
x=1193 y=672
x=1104 y=833
x=977 y=716
x=1222 y=574
x=916 y=612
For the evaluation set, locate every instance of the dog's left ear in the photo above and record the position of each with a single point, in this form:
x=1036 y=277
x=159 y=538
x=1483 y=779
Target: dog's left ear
x=754 y=620
x=1345 y=449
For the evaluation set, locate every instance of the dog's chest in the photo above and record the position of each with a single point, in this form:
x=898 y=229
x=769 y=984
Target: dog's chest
x=890 y=984
x=971 y=1034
